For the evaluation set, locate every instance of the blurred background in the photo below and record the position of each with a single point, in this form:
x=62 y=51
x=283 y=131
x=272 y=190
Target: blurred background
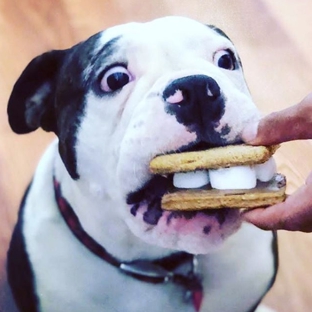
x=274 y=41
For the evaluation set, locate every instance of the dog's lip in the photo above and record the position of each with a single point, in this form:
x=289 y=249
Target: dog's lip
x=146 y=202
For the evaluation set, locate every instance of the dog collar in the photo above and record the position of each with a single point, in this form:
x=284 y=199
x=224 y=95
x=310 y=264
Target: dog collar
x=162 y=270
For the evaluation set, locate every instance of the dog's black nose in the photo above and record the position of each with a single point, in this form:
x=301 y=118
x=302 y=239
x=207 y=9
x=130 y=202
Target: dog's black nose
x=196 y=101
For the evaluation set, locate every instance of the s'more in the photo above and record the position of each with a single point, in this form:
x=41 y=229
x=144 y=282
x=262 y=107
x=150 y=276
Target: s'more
x=233 y=176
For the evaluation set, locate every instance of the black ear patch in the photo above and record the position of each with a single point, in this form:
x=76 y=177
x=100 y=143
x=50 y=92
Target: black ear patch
x=31 y=104
x=50 y=93
x=45 y=96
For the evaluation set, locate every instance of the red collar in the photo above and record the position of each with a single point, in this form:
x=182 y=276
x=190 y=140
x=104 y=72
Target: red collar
x=150 y=271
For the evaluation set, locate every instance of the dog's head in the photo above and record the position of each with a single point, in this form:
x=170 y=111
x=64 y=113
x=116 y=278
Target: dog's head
x=128 y=94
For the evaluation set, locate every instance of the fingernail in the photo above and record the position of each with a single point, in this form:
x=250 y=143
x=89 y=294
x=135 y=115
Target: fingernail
x=250 y=132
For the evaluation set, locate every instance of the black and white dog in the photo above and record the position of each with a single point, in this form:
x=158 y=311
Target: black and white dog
x=91 y=233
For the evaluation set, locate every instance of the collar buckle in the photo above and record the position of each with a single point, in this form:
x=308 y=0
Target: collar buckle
x=147 y=269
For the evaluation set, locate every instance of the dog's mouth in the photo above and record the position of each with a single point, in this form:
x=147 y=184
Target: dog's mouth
x=148 y=198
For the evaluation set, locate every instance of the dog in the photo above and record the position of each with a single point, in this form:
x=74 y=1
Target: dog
x=91 y=234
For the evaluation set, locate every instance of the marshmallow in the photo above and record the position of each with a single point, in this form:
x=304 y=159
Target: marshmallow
x=233 y=178
x=190 y=180
x=266 y=171
x=237 y=178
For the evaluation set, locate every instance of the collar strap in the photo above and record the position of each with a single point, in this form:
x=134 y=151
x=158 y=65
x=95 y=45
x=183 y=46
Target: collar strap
x=151 y=271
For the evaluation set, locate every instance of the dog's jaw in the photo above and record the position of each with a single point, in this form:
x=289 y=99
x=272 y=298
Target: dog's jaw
x=201 y=234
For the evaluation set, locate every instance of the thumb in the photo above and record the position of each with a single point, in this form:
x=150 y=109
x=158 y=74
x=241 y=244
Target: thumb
x=295 y=214
x=292 y=123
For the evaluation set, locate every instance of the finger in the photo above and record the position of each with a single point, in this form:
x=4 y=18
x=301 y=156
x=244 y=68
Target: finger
x=295 y=214
x=292 y=123
x=287 y=125
x=264 y=218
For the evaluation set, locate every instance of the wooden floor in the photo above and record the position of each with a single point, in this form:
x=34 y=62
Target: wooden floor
x=274 y=40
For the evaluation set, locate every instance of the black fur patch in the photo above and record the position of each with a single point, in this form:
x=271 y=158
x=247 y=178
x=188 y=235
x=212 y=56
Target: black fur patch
x=70 y=93
x=20 y=274
x=207 y=229
x=219 y=31
x=188 y=215
x=275 y=255
x=150 y=194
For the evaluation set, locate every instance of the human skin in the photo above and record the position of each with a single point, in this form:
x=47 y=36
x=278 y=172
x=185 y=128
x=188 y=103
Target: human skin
x=292 y=123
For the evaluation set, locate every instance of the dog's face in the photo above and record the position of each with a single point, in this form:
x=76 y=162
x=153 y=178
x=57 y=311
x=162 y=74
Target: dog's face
x=128 y=94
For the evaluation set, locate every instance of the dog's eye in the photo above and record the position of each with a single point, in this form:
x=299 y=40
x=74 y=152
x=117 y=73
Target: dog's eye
x=115 y=78
x=225 y=59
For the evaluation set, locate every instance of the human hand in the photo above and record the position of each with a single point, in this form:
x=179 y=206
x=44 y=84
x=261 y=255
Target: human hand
x=293 y=123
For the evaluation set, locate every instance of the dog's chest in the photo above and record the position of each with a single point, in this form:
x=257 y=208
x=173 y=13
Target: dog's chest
x=69 y=276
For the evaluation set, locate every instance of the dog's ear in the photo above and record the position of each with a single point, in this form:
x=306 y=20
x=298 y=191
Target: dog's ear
x=31 y=104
